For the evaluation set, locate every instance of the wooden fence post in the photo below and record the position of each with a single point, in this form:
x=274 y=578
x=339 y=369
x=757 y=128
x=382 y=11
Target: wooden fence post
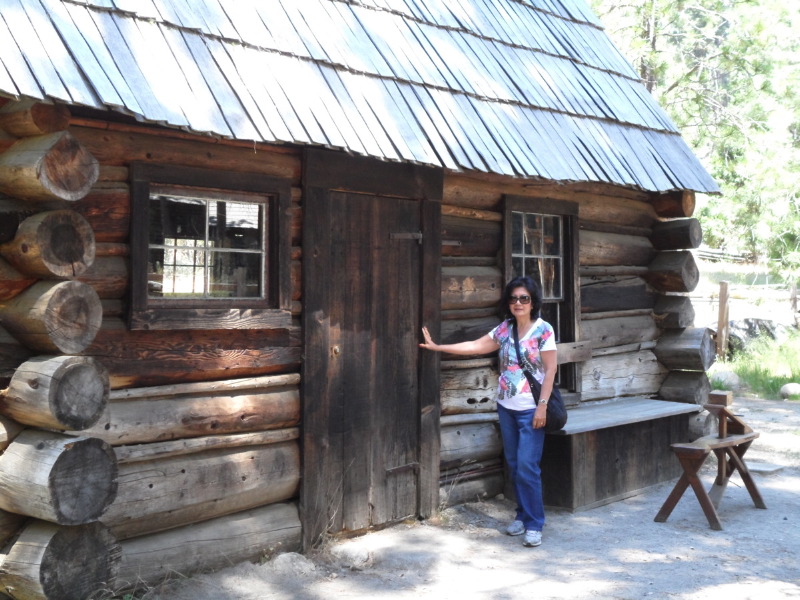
x=723 y=324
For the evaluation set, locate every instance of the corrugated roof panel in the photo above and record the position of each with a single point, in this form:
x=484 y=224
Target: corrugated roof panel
x=201 y=105
x=232 y=109
x=426 y=126
x=284 y=36
x=362 y=43
x=271 y=76
x=314 y=46
x=60 y=58
x=23 y=80
x=397 y=45
x=160 y=68
x=504 y=138
x=242 y=71
x=427 y=48
x=133 y=57
x=73 y=37
x=305 y=87
x=235 y=87
x=480 y=136
x=441 y=122
x=355 y=86
x=353 y=116
x=34 y=51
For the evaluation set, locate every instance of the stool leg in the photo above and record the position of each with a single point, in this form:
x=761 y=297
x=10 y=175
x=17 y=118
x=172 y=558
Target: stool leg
x=724 y=472
x=700 y=491
x=737 y=459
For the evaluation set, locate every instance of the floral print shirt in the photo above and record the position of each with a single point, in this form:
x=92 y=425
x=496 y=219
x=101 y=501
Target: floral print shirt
x=513 y=390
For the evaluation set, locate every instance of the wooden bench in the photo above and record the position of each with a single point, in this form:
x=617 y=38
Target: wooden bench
x=610 y=450
x=729 y=446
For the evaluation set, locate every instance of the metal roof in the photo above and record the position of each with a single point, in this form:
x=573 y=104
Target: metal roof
x=525 y=88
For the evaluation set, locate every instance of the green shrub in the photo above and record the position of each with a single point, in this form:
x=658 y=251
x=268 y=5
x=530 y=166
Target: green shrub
x=765 y=366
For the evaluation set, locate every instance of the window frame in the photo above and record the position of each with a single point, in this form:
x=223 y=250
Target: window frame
x=569 y=374
x=271 y=311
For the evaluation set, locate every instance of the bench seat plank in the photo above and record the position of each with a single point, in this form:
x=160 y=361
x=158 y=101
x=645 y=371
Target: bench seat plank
x=623 y=411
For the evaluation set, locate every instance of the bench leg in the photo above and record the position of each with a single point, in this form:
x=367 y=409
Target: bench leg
x=691 y=464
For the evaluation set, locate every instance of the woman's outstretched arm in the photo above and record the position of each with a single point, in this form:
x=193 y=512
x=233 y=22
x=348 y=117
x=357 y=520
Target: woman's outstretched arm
x=482 y=345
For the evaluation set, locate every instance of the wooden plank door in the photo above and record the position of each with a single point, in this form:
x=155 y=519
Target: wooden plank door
x=361 y=416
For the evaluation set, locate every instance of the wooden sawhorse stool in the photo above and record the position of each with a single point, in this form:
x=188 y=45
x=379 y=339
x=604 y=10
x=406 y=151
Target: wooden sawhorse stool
x=729 y=446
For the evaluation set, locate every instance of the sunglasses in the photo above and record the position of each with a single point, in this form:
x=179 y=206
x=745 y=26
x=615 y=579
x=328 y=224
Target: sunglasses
x=520 y=299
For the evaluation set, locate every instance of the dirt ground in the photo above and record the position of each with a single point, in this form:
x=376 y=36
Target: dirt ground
x=616 y=551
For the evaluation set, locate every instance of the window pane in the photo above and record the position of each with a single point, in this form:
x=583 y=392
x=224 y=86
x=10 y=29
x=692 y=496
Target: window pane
x=517 y=269
x=182 y=219
x=532 y=269
x=235 y=275
x=533 y=234
x=236 y=225
x=176 y=273
x=516 y=233
x=551 y=278
x=552 y=235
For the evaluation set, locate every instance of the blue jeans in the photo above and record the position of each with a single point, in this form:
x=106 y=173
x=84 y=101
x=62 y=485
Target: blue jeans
x=522 y=445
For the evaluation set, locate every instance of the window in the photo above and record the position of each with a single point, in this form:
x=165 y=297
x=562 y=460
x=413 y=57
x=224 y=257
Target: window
x=206 y=247
x=541 y=241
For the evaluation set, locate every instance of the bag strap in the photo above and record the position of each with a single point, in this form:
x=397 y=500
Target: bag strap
x=523 y=362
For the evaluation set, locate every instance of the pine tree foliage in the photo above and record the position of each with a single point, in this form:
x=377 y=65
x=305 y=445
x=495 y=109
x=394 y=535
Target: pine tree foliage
x=727 y=73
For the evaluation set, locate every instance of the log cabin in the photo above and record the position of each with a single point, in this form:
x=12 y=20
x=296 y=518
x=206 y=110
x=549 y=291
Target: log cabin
x=224 y=224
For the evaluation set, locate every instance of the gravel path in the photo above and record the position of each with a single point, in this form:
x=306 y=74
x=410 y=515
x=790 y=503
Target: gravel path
x=616 y=551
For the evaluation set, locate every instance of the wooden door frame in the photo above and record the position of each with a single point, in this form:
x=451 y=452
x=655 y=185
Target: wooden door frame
x=325 y=171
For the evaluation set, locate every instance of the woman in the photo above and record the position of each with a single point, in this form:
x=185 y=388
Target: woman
x=521 y=420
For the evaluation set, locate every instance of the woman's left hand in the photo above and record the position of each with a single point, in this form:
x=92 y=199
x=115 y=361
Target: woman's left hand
x=540 y=416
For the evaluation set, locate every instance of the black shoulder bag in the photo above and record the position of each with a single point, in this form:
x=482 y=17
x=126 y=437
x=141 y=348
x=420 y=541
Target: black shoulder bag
x=556 y=411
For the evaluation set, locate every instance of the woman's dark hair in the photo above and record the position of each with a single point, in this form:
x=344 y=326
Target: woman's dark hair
x=533 y=289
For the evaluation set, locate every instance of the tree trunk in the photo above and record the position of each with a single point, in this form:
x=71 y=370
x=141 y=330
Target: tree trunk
x=603 y=293
x=471 y=490
x=54 y=317
x=467 y=443
x=677 y=235
x=155 y=495
x=674 y=204
x=674 y=312
x=470 y=237
x=189 y=410
x=619 y=330
x=48 y=562
x=30 y=118
x=47 y=167
x=600 y=248
x=690 y=349
x=673 y=272
x=617 y=375
x=471 y=287
x=60 y=392
x=468 y=391
x=691 y=387
x=109 y=276
x=54 y=244
x=64 y=480
x=107 y=208
x=215 y=544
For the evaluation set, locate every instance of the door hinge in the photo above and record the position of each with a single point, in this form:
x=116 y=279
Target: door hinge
x=411 y=235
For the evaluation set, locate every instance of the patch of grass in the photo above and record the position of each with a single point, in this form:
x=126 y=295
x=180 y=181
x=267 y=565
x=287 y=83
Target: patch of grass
x=765 y=366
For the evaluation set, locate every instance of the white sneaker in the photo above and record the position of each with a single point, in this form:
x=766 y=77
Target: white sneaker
x=516 y=528
x=532 y=538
